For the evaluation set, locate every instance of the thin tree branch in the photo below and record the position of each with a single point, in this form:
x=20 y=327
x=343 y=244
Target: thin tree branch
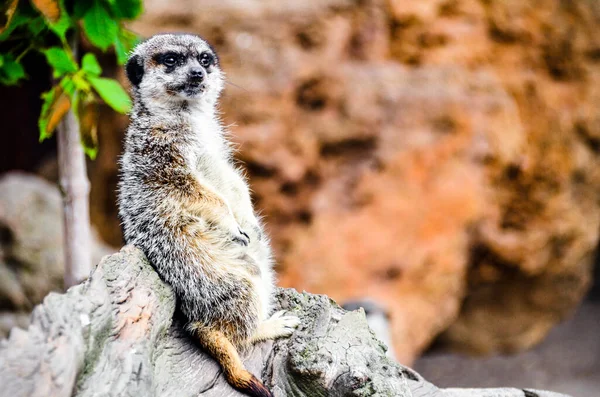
x=75 y=188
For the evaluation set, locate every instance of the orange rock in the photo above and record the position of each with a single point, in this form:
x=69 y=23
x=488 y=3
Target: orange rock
x=441 y=157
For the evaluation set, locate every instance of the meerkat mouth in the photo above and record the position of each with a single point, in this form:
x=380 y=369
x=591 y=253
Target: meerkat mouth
x=189 y=88
x=196 y=84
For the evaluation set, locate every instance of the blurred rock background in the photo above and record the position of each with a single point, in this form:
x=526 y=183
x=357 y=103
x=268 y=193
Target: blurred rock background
x=31 y=246
x=440 y=157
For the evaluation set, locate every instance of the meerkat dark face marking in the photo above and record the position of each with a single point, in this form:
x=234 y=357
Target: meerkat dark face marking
x=170 y=59
x=135 y=70
x=175 y=68
x=206 y=59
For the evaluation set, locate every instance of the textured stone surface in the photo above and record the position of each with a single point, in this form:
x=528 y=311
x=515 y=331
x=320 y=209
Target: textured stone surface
x=31 y=246
x=114 y=335
x=438 y=156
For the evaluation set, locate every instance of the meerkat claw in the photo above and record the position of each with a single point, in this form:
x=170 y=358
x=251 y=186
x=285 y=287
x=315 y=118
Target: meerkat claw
x=241 y=237
x=244 y=234
x=237 y=234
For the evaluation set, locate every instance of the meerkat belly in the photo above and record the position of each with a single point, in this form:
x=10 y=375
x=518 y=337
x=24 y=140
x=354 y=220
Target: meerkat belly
x=221 y=175
x=225 y=179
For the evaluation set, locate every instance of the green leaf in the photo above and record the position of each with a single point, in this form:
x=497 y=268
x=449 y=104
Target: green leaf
x=99 y=27
x=126 y=9
x=125 y=42
x=36 y=25
x=81 y=7
x=121 y=51
x=91 y=152
x=69 y=85
x=11 y=71
x=61 y=61
x=90 y=64
x=14 y=70
x=80 y=82
x=112 y=93
x=75 y=103
x=56 y=105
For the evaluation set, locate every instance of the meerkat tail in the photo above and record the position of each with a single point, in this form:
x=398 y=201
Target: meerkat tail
x=225 y=353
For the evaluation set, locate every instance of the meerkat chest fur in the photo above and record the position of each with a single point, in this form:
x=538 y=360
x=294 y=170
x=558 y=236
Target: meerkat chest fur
x=210 y=156
x=212 y=160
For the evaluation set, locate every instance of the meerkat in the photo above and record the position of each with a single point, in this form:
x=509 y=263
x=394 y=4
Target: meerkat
x=183 y=201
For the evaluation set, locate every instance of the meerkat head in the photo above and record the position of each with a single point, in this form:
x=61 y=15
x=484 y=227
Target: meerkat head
x=172 y=68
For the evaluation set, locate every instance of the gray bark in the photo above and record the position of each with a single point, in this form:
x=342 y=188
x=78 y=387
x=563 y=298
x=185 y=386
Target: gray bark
x=75 y=188
x=117 y=335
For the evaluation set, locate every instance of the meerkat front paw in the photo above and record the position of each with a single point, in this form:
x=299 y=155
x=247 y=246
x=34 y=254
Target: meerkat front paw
x=278 y=326
x=241 y=237
x=282 y=324
x=236 y=233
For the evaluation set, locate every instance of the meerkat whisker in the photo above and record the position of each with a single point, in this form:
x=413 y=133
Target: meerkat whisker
x=235 y=85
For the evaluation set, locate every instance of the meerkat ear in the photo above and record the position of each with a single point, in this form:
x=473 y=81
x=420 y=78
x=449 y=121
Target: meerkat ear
x=135 y=70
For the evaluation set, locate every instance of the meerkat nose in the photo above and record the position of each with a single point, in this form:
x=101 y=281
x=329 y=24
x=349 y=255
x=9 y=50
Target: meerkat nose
x=197 y=73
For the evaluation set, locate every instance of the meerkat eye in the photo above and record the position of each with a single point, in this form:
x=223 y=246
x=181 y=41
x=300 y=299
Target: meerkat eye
x=206 y=59
x=169 y=60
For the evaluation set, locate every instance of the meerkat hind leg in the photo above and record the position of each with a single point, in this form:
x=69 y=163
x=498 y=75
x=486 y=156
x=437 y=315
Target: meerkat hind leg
x=278 y=325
